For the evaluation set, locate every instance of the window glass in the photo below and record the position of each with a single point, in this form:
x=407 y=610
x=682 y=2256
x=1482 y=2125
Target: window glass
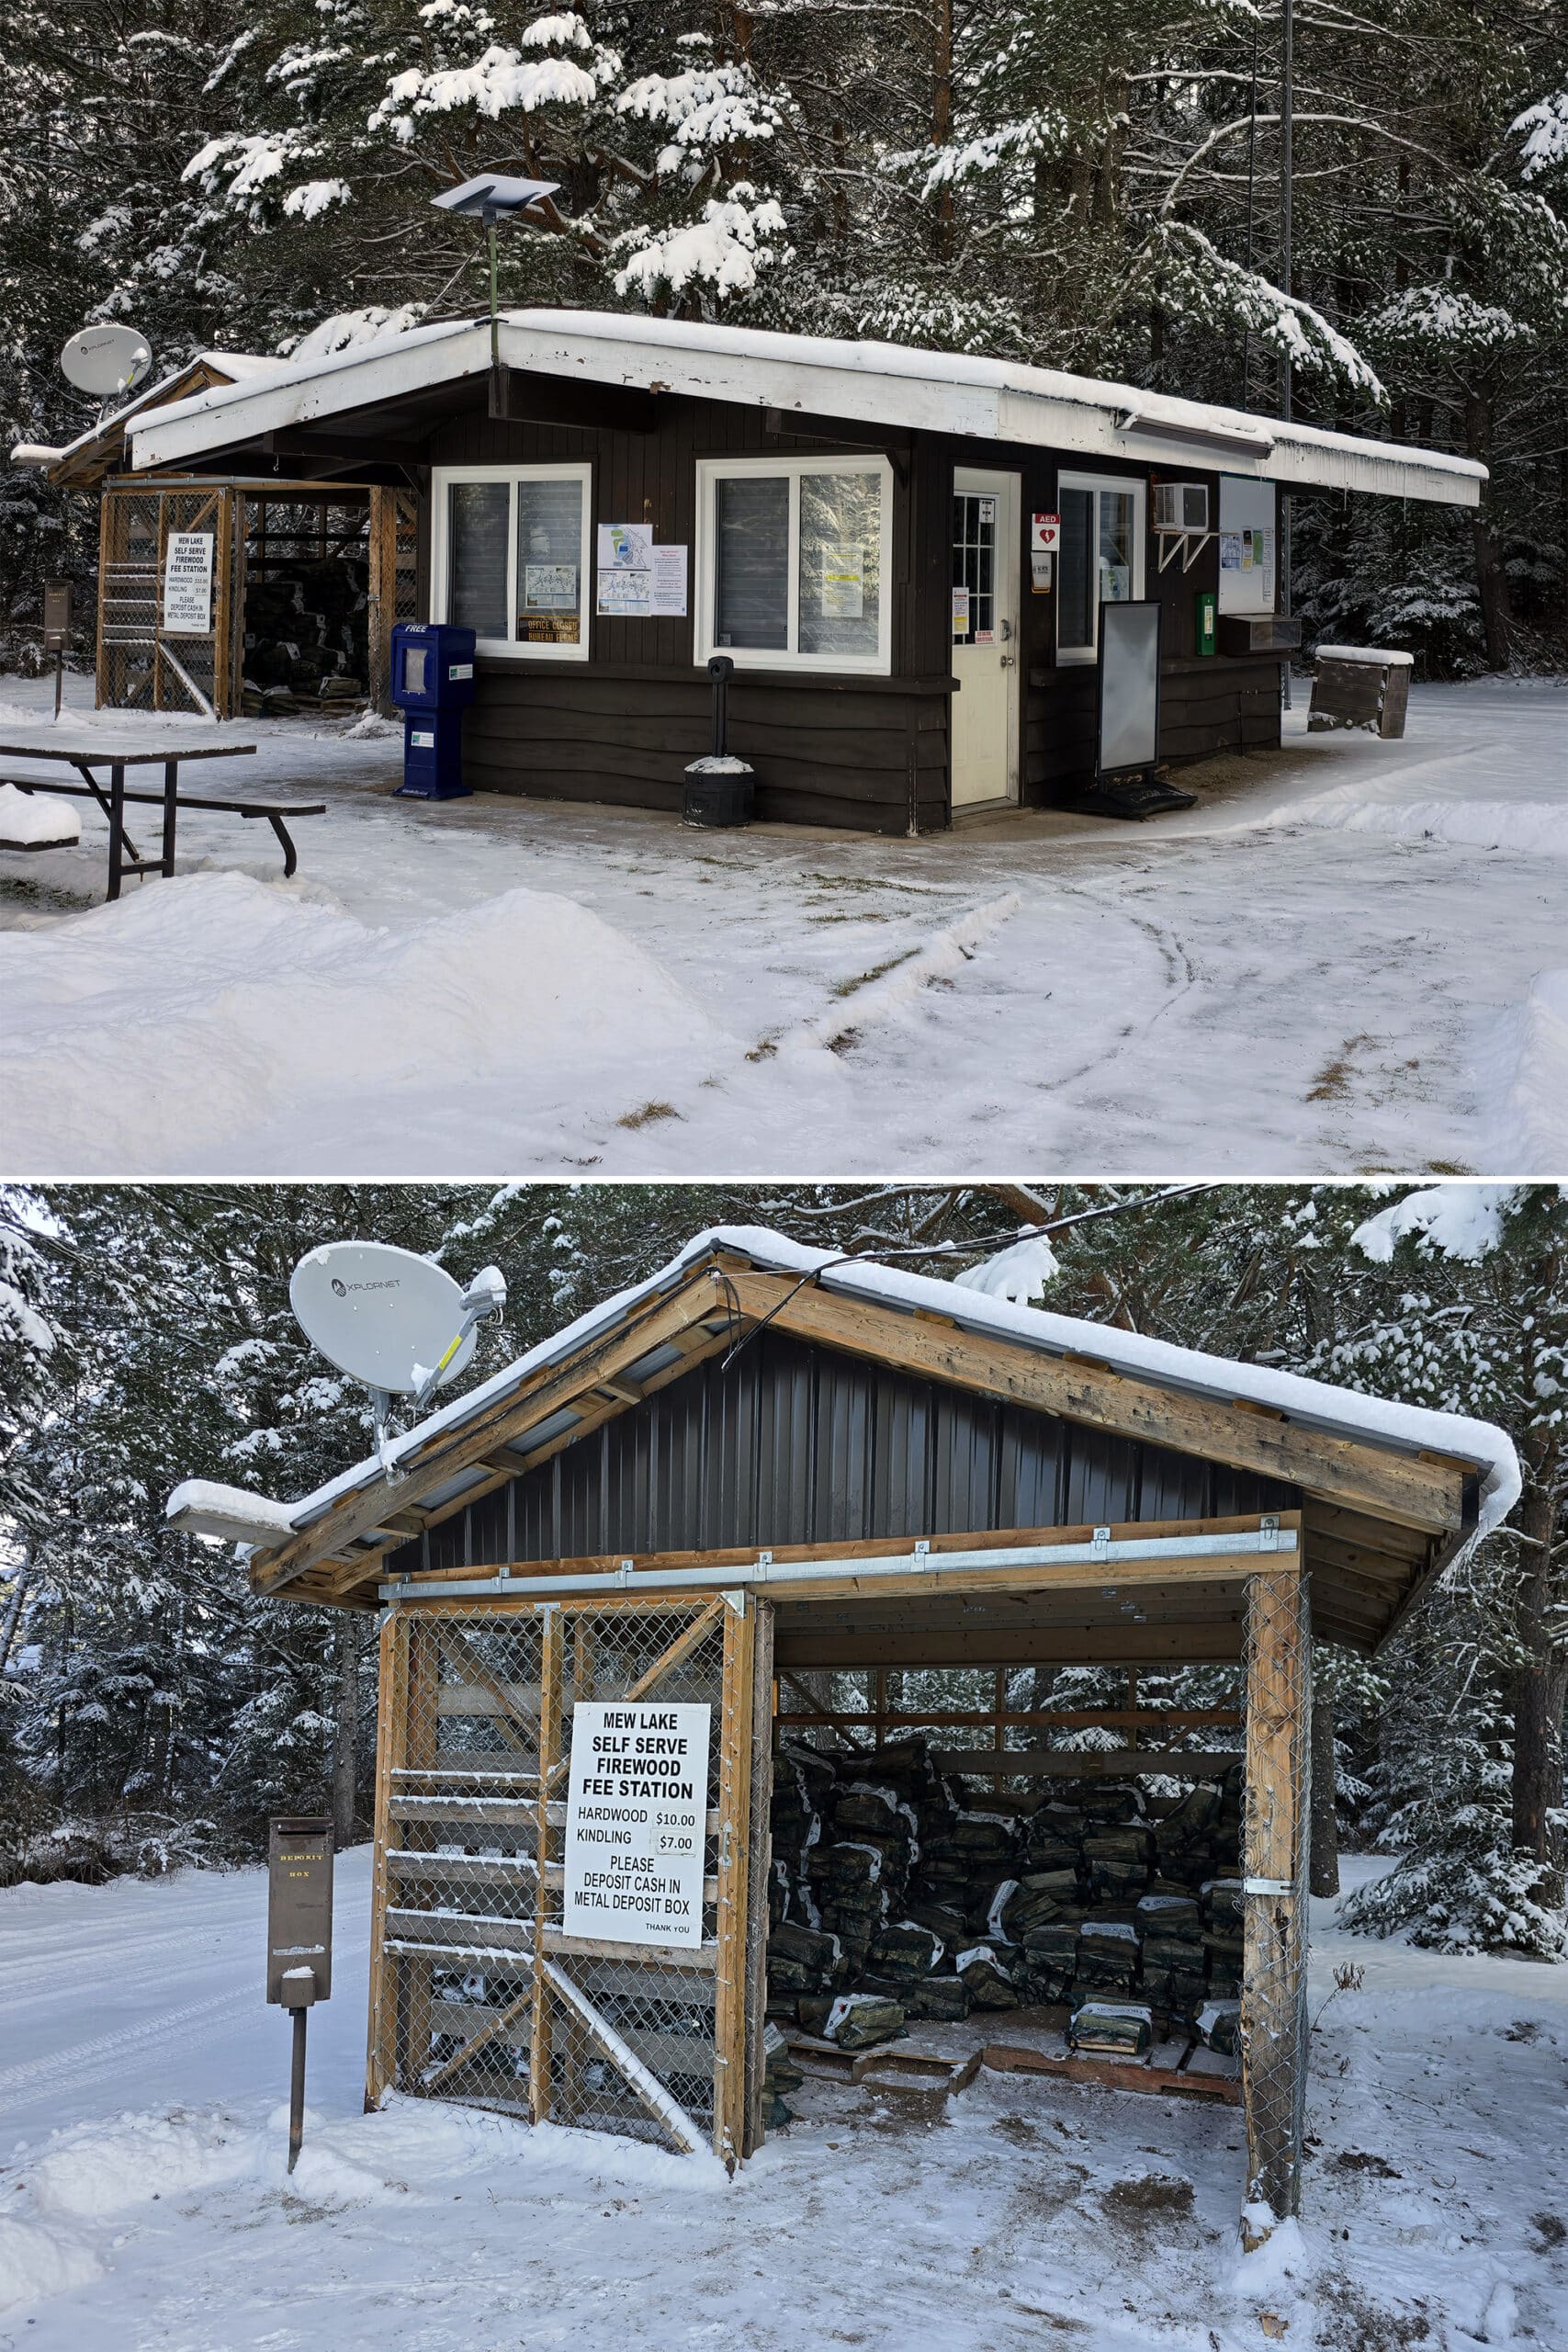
x=549 y=558
x=973 y=568
x=1075 y=598
x=1116 y=508
x=840 y=563
x=752 y=536
x=479 y=517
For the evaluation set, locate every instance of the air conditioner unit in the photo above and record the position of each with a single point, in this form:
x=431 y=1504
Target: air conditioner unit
x=1181 y=506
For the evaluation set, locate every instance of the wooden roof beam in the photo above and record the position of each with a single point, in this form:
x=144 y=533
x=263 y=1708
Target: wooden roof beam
x=448 y=1451
x=1414 y=1492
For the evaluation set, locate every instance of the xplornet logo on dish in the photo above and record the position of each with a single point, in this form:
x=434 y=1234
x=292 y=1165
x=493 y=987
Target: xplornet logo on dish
x=343 y=1288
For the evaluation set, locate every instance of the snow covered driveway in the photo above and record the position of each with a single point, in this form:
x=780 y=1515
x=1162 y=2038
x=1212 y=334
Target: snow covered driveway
x=144 y=2203
x=1349 y=957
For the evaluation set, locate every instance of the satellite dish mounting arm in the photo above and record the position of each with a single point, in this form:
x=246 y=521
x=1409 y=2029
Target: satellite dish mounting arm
x=485 y=1296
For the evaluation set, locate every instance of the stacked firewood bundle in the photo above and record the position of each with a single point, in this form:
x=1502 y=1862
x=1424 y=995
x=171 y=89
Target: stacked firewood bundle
x=907 y=1888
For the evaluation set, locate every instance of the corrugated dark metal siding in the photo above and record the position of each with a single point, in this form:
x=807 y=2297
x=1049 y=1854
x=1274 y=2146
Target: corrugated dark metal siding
x=800 y=1445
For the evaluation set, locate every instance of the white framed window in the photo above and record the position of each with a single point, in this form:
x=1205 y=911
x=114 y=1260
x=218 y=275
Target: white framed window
x=795 y=563
x=1101 y=556
x=510 y=557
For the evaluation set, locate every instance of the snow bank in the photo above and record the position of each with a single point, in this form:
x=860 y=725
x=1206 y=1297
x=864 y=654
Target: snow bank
x=31 y=821
x=98 y=2170
x=1521 y=1065
x=35 y=2262
x=1528 y=828
x=221 y=1016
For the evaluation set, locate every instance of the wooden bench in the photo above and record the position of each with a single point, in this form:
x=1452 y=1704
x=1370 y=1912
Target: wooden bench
x=124 y=857
x=1357 y=685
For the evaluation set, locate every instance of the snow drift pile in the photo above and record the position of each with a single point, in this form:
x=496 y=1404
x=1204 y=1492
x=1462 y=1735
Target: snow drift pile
x=898 y=1892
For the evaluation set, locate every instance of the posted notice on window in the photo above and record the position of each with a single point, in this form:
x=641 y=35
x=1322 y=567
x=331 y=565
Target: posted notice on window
x=638 y=581
x=187 y=584
x=636 y=1822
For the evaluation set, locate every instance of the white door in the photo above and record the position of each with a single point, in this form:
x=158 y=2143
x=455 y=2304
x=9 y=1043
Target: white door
x=984 y=637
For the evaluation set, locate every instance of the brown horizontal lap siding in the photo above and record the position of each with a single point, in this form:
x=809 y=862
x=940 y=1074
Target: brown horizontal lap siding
x=819 y=759
x=581 y=731
x=803 y=1445
x=1206 y=708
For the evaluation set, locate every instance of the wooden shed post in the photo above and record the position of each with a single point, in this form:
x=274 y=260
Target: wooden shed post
x=1278 y=1654
x=759 y=1867
x=539 y=2037
x=392 y=1741
x=381 y=595
x=734 y=1841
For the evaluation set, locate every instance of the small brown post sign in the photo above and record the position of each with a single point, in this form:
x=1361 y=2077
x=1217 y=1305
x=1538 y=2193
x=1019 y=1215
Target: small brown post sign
x=299 y=1912
x=298 y=1938
x=57 y=617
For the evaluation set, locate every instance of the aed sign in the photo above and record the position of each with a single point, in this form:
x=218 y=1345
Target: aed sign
x=636 y=1822
x=300 y=1909
x=1044 y=534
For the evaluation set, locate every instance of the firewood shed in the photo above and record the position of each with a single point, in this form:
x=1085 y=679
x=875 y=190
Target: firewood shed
x=766 y=1467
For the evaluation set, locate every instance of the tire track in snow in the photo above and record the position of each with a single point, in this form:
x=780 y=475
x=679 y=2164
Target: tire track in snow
x=65 y=2069
x=943 y=957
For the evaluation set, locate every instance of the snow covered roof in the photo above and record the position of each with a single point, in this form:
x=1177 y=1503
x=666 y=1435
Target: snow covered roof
x=892 y=384
x=231 y=367
x=1309 y=1404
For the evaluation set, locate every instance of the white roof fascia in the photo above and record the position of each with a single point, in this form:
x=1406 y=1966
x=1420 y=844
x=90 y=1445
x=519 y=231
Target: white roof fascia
x=300 y=393
x=234 y=364
x=1309 y=1403
x=978 y=399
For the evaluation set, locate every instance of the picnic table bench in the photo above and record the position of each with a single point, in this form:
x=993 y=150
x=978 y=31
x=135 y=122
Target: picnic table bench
x=124 y=859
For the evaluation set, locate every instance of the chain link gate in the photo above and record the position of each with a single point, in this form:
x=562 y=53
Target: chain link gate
x=140 y=666
x=1277 y=1692
x=476 y=1991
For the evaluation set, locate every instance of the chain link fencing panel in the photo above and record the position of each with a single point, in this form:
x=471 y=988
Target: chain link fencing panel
x=480 y=1995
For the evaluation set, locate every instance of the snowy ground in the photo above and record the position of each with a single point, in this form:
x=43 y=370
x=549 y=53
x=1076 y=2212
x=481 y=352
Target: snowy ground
x=144 y=2205
x=1349 y=957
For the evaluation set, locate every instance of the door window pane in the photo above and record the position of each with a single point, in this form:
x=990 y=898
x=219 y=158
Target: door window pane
x=1076 y=601
x=1115 y=546
x=840 y=563
x=752 y=536
x=479 y=515
x=973 y=568
x=549 y=558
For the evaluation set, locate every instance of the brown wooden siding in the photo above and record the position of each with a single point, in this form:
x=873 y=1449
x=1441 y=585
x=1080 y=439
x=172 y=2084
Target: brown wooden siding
x=864 y=753
x=858 y=752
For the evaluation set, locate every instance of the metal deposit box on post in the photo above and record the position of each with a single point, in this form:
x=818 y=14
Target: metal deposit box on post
x=300 y=1906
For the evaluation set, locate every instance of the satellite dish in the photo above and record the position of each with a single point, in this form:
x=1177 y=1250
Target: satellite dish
x=394 y=1320
x=105 y=359
x=383 y=1316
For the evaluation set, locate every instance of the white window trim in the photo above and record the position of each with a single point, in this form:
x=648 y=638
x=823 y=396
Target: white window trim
x=510 y=648
x=1121 y=484
x=712 y=470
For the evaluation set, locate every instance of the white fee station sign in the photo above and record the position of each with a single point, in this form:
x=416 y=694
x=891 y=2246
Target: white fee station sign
x=636 y=1822
x=187 y=584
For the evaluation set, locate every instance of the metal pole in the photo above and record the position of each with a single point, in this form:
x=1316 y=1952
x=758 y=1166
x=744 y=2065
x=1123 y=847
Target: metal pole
x=297 y=2090
x=1251 y=188
x=1287 y=133
x=494 y=315
x=59 y=679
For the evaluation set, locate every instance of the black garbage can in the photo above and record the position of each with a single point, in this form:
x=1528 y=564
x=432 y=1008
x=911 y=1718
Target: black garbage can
x=718 y=787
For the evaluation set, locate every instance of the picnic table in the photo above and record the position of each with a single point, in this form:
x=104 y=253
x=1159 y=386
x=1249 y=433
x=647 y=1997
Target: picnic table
x=85 y=753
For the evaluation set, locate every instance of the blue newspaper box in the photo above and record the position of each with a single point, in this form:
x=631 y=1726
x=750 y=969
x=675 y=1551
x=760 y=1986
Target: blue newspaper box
x=433 y=684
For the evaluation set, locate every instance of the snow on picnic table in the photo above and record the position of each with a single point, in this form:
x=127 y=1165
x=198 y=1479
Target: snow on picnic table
x=144 y=2202
x=1348 y=957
